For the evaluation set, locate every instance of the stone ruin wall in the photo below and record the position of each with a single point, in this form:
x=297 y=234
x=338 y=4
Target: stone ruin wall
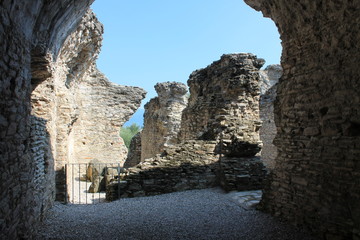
x=317 y=112
x=224 y=99
x=196 y=163
x=269 y=78
x=162 y=118
x=103 y=108
x=83 y=109
x=27 y=187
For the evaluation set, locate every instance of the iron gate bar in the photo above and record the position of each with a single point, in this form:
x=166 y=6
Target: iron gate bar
x=103 y=168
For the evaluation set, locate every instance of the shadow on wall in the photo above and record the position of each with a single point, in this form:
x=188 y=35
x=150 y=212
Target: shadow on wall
x=42 y=158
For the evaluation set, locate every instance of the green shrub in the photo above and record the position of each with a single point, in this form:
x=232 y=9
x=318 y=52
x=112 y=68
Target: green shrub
x=128 y=132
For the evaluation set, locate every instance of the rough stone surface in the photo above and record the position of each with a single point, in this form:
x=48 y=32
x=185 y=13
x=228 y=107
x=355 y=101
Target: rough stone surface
x=224 y=103
x=162 y=118
x=316 y=177
x=241 y=173
x=269 y=78
x=194 y=163
x=190 y=165
x=26 y=188
x=134 y=154
x=315 y=182
x=84 y=110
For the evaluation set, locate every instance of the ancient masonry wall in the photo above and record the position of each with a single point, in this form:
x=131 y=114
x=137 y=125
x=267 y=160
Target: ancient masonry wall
x=224 y=101
x=269 y=78
x=316 y=177
x=224 y=89
x=84 y=110
x=316 y=181
x=26 y=190
x=162 y=118
x=193 y=164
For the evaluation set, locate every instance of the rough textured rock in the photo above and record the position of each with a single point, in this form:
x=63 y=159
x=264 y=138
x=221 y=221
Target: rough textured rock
x=241 y=174
x=134 y=153
x=103 y=107
x=269 y=78
x=190 y=165
x=194 y=163
x=26 y=26
x=316 y=177
x=315 y=182
x=84 y=110
x=162 y=118
x=268 y=127
x=224 y=100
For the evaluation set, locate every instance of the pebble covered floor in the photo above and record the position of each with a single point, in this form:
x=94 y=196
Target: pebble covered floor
x=196 y=214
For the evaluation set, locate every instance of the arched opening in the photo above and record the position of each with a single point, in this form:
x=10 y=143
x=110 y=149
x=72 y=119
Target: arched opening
x=178 y=45
x=316 y=111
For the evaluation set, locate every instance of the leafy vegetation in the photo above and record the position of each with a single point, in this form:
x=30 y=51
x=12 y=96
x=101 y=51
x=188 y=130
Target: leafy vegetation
x=128 y=132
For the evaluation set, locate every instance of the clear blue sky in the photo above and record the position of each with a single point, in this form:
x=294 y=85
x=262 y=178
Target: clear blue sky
x=150 y=41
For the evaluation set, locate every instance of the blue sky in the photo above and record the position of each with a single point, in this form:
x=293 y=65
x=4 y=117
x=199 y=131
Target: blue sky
x=146 y=42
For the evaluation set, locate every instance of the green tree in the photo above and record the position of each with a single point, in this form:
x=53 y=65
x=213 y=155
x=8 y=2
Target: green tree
x=127 y=133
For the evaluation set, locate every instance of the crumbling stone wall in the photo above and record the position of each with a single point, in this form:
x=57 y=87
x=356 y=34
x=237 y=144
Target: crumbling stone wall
x=198 y=163
x=316 y=177
x=24 y=27
x=84 y=110
x=224 y=100
x=269 y=78
x=162 y=118
x=190 y=165
x=103 y=108
x=316 y=111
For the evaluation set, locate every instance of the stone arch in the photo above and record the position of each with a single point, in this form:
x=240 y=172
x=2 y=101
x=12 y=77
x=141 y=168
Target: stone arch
x=316 y=179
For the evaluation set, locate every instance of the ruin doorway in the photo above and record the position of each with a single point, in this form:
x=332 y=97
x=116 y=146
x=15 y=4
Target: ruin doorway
x=67 y=145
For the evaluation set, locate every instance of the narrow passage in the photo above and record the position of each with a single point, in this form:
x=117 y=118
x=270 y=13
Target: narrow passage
x=196 y=214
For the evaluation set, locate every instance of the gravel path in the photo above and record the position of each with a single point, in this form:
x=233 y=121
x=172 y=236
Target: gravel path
x=197 y=214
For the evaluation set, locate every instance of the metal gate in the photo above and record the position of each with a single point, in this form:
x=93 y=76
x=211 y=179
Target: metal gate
x=86 y=182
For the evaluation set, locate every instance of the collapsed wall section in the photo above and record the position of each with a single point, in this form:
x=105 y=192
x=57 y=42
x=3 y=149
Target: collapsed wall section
x=218 y=140
x=162 y=118
x=84 y=110
x=224 y=103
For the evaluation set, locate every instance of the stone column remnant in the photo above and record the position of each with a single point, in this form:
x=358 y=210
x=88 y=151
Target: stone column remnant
x=224 y=99
x=162 y=118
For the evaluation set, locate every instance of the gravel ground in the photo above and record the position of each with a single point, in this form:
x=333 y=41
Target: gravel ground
x=197 y=214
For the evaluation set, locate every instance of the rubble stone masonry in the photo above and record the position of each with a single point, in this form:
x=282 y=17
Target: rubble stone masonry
x=224 y=103
x=162 y=118
x=315 y=180
x=269 y=78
